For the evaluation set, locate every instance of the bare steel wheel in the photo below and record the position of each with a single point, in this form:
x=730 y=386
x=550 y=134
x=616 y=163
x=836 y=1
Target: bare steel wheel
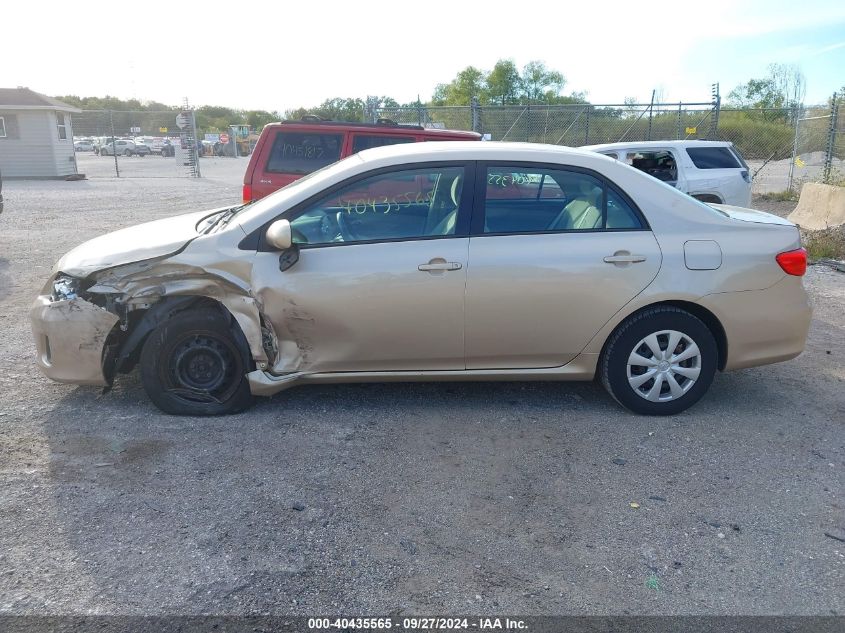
x=195 y=363
x=659 y=361
x=664 y=366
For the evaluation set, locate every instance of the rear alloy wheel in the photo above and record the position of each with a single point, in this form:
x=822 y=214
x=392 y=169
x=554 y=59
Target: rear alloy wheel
x=196 y=364
x=660 y=361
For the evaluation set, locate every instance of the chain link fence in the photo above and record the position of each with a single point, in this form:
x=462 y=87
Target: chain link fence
x=783 y=147
x=573 y=125
x=137 y=144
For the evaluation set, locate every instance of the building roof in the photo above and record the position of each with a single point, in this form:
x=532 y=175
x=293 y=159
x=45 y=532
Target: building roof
x=26 y=99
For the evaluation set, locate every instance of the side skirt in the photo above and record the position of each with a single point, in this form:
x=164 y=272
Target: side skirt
x=582 y=367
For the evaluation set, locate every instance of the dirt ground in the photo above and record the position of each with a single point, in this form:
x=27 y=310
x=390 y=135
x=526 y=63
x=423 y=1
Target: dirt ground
x=487 y=498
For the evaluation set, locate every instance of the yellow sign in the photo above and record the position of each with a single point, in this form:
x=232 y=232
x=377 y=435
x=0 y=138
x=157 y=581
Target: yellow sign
x=799 y=162
x=163 y=130
x=692 y=130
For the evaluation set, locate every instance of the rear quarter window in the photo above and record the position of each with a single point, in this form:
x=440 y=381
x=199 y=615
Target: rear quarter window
x=713 y=158
x=303 y=152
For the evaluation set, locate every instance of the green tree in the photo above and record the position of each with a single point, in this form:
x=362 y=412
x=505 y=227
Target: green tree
x=504 y=82
x=783 y=87
x=470 y=82
x=756 y=93
x=539 y=84
x=257 y=119
x=336 y=108
x=111 y=103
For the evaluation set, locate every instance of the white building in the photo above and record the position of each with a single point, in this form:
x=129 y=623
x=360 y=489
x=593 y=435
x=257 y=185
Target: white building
x=36 y=135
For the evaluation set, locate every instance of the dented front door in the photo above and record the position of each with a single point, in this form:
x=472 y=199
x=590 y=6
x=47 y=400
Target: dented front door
x=393 y=306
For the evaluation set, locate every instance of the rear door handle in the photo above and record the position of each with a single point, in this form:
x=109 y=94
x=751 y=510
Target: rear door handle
x=624 y=258
x=439 y=266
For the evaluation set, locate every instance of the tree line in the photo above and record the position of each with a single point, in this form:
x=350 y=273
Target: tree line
x=784 y=86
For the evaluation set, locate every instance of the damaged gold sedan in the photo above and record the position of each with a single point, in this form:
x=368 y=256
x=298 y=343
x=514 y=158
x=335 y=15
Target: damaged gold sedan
x=433 y=261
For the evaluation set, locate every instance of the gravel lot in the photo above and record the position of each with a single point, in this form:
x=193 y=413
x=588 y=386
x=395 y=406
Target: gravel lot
x=773 y=176
x=487 y=498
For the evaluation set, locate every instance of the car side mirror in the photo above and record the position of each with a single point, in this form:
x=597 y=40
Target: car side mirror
x=279 y=235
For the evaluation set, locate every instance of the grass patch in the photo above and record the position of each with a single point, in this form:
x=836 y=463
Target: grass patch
x=825 y=244
x=780 y=196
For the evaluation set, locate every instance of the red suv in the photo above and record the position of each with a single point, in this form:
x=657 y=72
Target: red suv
x=289 y=150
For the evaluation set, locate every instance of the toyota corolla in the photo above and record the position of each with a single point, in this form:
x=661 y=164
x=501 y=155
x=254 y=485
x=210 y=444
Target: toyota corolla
x=433 y=261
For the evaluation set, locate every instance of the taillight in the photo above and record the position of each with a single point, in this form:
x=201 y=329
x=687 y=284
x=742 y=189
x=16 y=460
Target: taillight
x=793 y=262
x=247 y=193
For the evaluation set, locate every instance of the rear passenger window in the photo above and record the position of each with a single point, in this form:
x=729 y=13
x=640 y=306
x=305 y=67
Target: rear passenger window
x=367 y=141
x=303 y=152
x=547 y=200
x=713 y=158
x=620 y=215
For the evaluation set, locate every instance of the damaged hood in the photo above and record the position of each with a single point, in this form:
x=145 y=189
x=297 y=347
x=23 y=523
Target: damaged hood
x=159 y=238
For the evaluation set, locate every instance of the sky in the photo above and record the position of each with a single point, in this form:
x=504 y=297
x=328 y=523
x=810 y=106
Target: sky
x=277 y=55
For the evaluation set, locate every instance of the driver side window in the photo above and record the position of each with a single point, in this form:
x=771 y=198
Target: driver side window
x=396 y=205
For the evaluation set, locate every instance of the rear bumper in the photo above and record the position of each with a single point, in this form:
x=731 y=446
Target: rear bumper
x=763 y=326
x=70 y=337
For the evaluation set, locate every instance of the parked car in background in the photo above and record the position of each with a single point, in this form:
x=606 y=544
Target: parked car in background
x=141 y=147
x=433 y=261
x=146 y=141
x=155 y=143
x=167 y=149
x=84 y=145
x=710 y=171
x=290 y=150
x=121 y=147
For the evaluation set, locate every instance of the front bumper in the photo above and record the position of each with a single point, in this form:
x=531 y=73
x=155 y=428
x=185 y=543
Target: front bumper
x=70 y=338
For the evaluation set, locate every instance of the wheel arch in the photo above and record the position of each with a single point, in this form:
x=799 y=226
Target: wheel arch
x=144 y=321
x=706 y=316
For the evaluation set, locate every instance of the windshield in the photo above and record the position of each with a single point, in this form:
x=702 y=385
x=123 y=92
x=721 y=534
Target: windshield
x=277 y=201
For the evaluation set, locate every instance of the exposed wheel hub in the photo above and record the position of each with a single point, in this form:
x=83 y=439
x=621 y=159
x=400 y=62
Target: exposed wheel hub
x=202 y=363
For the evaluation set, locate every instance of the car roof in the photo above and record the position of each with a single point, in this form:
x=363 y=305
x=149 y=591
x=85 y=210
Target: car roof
x=389 y=128
x=657 y=145
x=473 y=150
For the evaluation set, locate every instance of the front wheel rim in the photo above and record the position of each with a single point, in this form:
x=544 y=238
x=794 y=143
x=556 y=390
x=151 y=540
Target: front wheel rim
x=664 y=366
x=203 y=368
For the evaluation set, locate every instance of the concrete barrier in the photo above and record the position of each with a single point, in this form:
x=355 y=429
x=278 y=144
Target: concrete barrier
x=819 y=207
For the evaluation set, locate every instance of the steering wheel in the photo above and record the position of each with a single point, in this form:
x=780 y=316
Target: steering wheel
x=329 y=229
x=347 y=233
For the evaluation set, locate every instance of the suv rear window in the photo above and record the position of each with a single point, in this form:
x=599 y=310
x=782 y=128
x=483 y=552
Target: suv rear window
x=713 y=158
x=368 y=141
x=303 y=152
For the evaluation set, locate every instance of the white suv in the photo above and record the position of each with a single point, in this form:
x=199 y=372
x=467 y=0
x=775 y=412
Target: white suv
x=711 y=171
x=120 y=146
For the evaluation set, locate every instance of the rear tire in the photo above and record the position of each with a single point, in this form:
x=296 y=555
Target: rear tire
x=660 y=361
x=196 y=364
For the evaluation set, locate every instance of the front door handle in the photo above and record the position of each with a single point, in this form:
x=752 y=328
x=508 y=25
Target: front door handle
x=439 y=265
x=624 y=257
